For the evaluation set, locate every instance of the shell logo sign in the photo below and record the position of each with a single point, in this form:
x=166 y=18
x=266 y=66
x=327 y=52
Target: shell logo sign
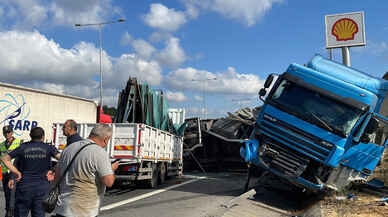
x=345 y=30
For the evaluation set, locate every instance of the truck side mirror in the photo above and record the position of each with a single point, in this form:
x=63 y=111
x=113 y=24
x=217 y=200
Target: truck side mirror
x=269 y=80
x=262 y=92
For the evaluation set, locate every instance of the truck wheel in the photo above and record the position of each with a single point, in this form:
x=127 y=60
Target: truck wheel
x=153 y=182
x=163 y=173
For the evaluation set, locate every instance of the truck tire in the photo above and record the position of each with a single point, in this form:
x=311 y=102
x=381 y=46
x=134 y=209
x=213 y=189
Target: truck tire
x=153 y=182
x=163 y=173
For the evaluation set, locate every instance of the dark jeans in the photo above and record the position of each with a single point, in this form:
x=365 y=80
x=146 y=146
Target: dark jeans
x=7 y=191
x=30 y=199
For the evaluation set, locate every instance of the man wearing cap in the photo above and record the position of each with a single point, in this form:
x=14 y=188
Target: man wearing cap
x=8 y=145
x=34 y=161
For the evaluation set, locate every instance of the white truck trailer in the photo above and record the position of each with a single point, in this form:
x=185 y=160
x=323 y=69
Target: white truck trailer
x=147 y=154
x=24 y=108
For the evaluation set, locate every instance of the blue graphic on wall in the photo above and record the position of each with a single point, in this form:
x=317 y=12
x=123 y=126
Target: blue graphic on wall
x=14 y=111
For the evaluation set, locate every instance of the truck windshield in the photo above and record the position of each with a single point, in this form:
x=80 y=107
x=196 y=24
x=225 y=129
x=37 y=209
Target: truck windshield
x=315 y=108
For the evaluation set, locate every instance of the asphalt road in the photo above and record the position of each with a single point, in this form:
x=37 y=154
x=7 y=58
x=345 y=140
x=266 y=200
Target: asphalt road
x=198 y=195
x=193 y=195
x=202 y=196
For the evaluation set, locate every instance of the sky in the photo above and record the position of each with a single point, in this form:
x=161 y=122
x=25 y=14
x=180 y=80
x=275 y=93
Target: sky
x=209 y=57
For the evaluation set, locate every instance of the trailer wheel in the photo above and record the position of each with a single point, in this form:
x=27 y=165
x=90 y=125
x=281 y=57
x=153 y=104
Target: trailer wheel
x=163 y=173
x=153 y=182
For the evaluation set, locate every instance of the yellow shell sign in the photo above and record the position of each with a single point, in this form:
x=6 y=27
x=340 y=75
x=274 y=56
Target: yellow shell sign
x=344 y=29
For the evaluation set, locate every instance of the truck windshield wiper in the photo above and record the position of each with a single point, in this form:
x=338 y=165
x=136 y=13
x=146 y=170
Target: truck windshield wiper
x=321 y=121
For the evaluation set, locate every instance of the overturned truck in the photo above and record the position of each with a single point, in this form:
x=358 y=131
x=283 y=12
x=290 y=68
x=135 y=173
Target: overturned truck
x=321 y=125
x=214 y=144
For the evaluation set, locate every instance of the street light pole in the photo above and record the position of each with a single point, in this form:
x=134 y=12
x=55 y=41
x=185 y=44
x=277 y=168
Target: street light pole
x=99 y=25
x=203 y=87
x=100 y=43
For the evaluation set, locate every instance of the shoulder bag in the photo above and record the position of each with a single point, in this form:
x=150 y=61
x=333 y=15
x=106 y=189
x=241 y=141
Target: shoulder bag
x=50 y=202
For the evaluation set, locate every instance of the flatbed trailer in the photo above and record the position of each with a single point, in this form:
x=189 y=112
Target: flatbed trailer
x=147 y=154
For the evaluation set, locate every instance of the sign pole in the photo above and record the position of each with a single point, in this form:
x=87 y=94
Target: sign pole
x=331 y=53
x=345 y=56
x=345 y=31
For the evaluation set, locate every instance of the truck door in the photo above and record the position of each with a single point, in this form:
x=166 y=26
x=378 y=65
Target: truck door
x=364 y=155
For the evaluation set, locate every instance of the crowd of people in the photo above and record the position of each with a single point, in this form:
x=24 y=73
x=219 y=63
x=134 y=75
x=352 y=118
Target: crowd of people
x=28 y=171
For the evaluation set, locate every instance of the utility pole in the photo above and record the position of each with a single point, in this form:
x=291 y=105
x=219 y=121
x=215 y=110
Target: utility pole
x=99 y=25
x=203 y=89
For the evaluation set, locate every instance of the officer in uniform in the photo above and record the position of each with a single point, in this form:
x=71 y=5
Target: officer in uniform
x=34 y=161
x=8 y=145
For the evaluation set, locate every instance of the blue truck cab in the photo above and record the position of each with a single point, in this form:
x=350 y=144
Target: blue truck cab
x=322 y=125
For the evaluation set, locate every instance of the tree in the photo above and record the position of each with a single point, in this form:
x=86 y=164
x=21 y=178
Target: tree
x=109 y=110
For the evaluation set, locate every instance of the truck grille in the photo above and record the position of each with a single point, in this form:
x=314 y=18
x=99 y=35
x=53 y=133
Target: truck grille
x=281 y=158
x=306 y=142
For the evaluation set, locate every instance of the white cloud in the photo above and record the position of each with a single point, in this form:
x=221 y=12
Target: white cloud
x=126 y=39
x=248 y=11
x=172 y=55
x=29 y=56
x=140 y=46
x=143 y=48
x=228 y=82
x=89 y=92
x=198 y=98
x=175 y=96
x=32 y=60
x=27 y=14
x=53 y=88
x=110 y=96
x=193 y=111
x=191 y=10
x=160 y=36
x=131 y=65
x=69 y=12
x=163 y=18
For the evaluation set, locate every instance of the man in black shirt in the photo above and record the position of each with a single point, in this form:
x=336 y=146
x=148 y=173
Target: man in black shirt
x=70 y=131
x=34 y=161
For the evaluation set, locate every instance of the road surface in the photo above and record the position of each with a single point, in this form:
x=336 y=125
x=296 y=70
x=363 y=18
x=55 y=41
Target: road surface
x=195 y=195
